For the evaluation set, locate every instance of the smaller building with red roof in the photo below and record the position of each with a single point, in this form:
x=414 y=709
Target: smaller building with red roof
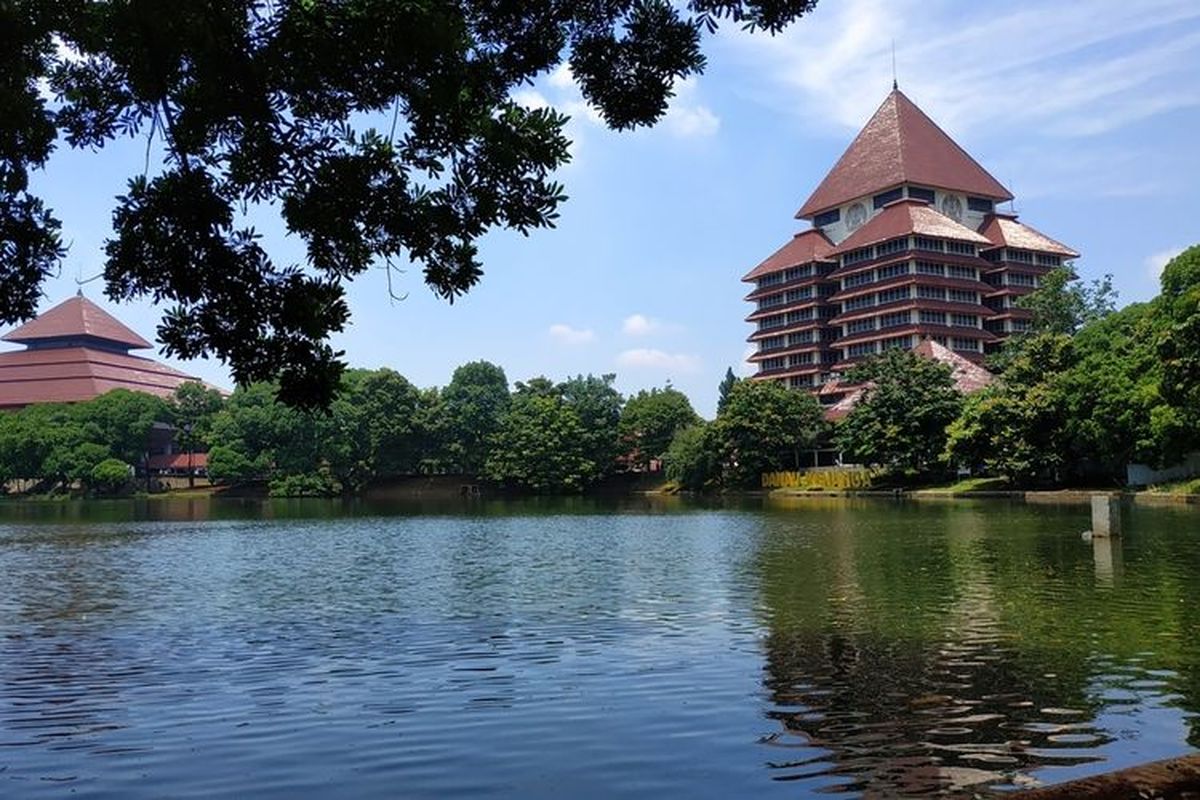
x=77 y=351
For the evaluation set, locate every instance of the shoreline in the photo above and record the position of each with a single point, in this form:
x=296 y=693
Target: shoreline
x=1033 y=496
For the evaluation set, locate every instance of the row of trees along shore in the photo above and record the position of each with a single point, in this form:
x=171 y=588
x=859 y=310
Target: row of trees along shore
x=1088 y=390
x=541 y=436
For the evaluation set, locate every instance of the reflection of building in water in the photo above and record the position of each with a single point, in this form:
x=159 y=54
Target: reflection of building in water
x=898 y=675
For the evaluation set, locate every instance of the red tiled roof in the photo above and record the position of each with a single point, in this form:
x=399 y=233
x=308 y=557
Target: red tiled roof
x=73 y=374
x=968 y=376
x=905 y=217
x=901 y=145
x=805 y=247
x=77 y=317
x=1003 y=230
x=178 y=461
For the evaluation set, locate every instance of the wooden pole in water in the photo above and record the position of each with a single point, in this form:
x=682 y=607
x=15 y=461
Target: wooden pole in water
x=1106 y=515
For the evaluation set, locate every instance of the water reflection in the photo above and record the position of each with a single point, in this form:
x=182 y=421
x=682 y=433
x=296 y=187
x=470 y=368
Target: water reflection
x=640 y=649
x=935 y=649
x=1110 y=563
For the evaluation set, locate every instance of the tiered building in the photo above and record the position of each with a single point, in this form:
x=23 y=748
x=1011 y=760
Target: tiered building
x=77 y=351
x=906 y=244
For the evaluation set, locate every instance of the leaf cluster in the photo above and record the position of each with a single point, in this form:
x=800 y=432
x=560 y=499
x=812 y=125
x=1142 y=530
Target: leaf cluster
x=379 y=132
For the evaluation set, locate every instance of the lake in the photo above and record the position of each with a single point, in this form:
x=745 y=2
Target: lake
x=642 y=648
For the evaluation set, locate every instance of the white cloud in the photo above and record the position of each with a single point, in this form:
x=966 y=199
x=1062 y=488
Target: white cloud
x=1156 y=261
x=530 y=98
x=1072 y=69
x=646 y=358
x=640 y=325
x=686 y=117
x=565 y=334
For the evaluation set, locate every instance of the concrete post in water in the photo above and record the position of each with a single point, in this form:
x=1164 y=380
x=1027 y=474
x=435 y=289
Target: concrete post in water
x=1106 y=515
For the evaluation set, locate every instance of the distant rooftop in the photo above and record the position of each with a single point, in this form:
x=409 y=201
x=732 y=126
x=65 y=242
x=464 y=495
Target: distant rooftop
x=77 y=318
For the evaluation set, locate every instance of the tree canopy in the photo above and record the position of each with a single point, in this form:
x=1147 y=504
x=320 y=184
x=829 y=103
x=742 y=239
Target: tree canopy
x=379 y=132
x=763 y=428
x=650 y=420
x=901 y=420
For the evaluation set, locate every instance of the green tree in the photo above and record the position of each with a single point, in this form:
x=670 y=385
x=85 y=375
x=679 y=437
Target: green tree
x=254 y=435
x=900 y=420
x=431 y=430
x=1018 y=427
x=598 y=406
x=110 y=476
x=650 y=421
x=378 y=130
x=1061 y=304
x=1179 y=340
x=121 y=420
x=691 y=460
x=368 y=430
x=476 y=400
x=725 y=387
x=196 y=405
x=764 y=427
x=228 y=464
x=540 y=446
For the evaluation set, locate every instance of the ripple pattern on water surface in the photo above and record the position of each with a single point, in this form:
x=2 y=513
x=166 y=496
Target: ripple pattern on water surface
x=853 y=648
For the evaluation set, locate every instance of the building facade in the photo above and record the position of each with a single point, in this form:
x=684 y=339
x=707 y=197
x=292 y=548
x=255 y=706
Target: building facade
x=77 y=351
x=906 y=244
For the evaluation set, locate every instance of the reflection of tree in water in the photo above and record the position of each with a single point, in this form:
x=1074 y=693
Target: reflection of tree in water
x=892 y=669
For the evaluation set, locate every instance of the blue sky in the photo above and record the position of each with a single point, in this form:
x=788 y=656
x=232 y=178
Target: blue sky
x=1087 y=111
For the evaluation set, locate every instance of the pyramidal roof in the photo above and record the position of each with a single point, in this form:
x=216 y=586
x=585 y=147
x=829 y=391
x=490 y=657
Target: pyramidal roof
x=900 y=144
x=77 y=317
x=1003 y=229
x=805 y=247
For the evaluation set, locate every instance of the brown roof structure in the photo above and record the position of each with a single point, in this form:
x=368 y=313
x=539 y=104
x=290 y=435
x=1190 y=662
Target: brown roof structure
x=78 y=351
x=805 y=247
x=904 y=217
x=1003 y=230
x=77 y=318
x=900 y=145
x=968 y=376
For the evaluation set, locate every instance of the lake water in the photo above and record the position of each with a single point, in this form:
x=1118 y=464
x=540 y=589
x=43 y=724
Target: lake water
x=647 y=648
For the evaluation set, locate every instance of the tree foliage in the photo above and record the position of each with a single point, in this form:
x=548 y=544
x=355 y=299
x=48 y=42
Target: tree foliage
x=1179 y=339
x=725 y=387
x=540 y=445
x=598 y=406
x=378 y=131
x=476 y=400
x=1061 y=304
x=900 y=421
x=61 y=445
x=691 y=459
x=650 y=421
x=1015 y=428
x=764 y=427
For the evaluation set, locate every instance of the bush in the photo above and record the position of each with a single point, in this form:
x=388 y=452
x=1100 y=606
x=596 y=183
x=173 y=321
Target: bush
x=111 y=476
x=307 y=484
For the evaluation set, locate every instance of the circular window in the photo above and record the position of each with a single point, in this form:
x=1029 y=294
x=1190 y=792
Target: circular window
x=952 y=207
x=856 y=215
